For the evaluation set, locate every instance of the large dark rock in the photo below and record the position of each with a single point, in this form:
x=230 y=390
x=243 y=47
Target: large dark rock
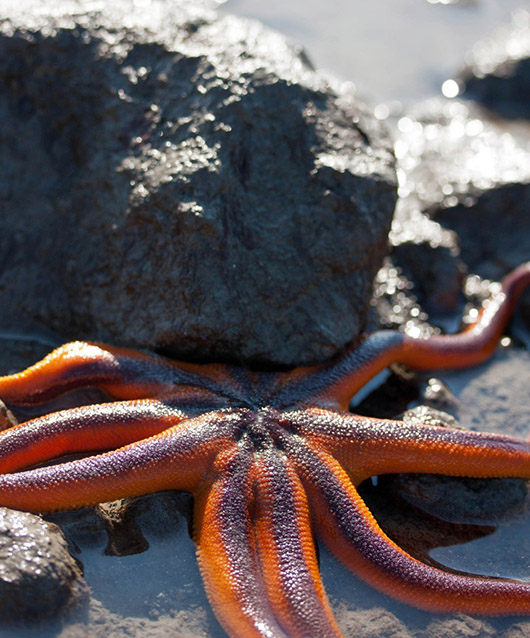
x=38 y=576
x=185 y=183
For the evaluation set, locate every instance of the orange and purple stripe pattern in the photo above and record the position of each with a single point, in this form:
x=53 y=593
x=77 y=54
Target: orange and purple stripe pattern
x=272 y=459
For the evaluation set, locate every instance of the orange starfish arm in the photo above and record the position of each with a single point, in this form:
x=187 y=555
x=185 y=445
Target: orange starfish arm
x=286 y=550
x=177 y=458
x=475 y=344
x=348 y=528
x=333 y=385
x=124 y=374
x=92 y=428
x=226 y=550
x=366 y=447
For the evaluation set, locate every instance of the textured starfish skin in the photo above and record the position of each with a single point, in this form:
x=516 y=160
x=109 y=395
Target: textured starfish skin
x=271 y=459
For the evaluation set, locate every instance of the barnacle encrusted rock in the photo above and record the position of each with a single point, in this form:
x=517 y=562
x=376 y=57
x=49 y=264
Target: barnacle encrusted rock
x=179 y=181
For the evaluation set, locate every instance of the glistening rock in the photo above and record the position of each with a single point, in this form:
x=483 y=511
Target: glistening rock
x=184 y=182
x=469 y=174
x=38 y=576
x=498 y=73
x=464 y=195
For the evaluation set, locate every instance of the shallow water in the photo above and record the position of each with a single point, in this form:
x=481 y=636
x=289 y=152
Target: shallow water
x=390 y=49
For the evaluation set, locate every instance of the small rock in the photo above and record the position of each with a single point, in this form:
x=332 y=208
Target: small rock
x=464 y=500
x=494 y=232
x=470 y=175
x=437 y=394
x=427 y=255
x=394 y=304
x=38 y=576
x=7 y=418
x=436 y=274
x=184 y=182
x=426 y=415
x=498 y=74
x=459 y=499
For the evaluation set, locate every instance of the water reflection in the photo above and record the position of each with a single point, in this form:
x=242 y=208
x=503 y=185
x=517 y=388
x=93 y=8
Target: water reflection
x=390 y=49
x=504 y=554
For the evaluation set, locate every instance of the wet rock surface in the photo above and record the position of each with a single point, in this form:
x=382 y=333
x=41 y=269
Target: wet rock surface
x=415 y=240
x=498 y=75
x=184 y=182
x=38 y=576
x=464 y=188
x=471 y=176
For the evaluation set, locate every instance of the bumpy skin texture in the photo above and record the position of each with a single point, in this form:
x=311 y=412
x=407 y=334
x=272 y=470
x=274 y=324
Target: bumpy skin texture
x=271 y=458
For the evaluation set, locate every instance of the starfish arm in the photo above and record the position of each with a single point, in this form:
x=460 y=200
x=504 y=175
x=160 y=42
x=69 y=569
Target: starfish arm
x=177 y=458
x=92 y=428
x=366 y=447
x=475 y=344
x=286 y=550
x=226 y=550
x=348 y=528
x=334 y=384
x=124 y=374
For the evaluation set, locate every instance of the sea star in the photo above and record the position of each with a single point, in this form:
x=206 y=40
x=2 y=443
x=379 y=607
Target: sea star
x=270 y=458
